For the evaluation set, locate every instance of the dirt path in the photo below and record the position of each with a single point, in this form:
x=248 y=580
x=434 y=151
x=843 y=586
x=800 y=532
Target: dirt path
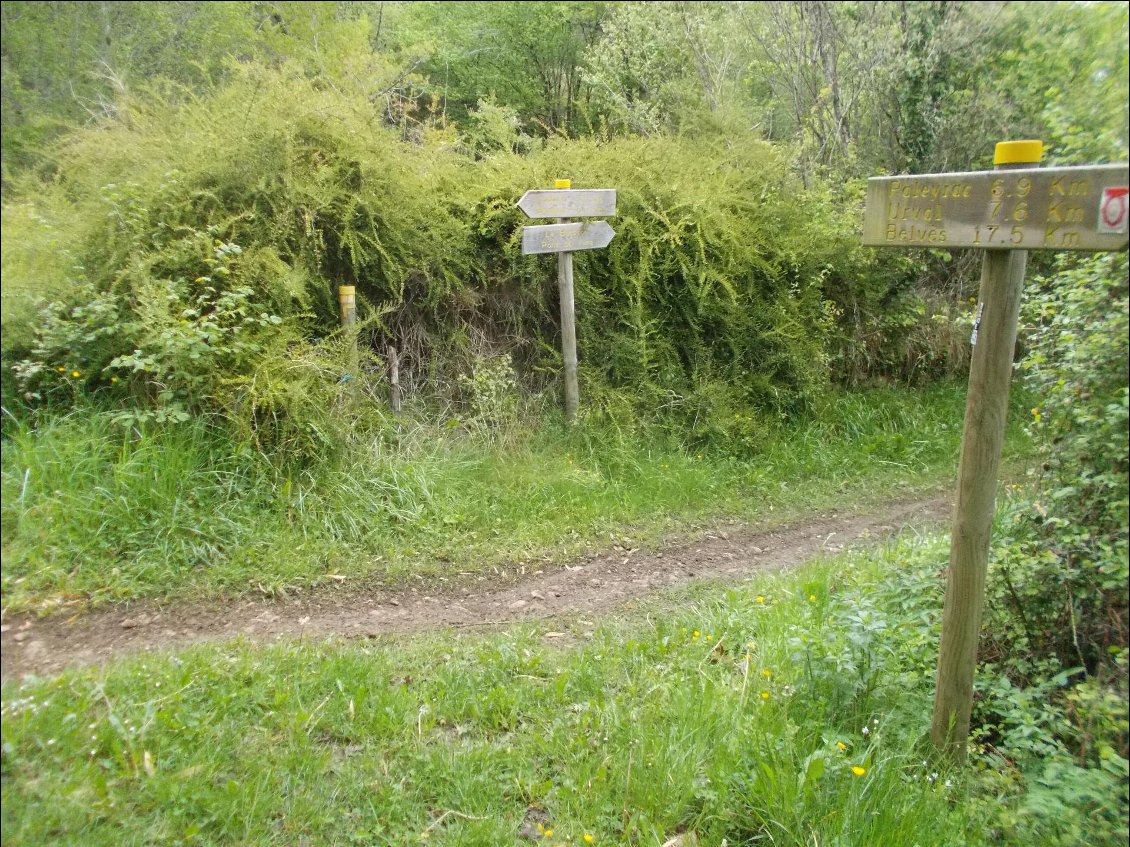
x=42 y=646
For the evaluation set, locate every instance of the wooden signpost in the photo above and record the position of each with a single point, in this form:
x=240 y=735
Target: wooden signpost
x=1005 y=213
x=563 y=238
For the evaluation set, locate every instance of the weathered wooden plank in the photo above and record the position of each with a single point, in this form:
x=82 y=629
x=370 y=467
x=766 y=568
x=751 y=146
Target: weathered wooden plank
x=569 y=203
x=565 y=238
x=1071 y=208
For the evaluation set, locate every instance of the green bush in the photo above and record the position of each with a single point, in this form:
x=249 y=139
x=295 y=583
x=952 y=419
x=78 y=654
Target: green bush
x=1052 y=696
x=207 y=238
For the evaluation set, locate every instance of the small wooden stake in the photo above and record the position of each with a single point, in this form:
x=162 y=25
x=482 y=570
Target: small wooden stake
x=568 y=323
x=347 y=299
x=394 y=380
x=986 y=411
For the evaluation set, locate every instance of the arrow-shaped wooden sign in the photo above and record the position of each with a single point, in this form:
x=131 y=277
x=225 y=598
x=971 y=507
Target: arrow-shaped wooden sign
x=565 y=238
x=567 y=203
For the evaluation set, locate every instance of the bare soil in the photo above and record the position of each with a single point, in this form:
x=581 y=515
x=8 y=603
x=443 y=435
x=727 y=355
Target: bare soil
x=39 y=646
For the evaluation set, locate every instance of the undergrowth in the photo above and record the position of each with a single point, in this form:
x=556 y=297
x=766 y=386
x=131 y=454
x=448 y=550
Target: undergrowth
x=95 y=511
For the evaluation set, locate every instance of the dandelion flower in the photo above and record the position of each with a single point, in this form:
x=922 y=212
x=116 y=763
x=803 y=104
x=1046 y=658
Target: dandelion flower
x=765 y=695
x=548 y=833
x=760 y=599
x=588 y=838
x=61 y=369
x=75 y=374
x=695 y=634
x=857 y=770
x=811 y=598
x=841 y=746
x=766 y=673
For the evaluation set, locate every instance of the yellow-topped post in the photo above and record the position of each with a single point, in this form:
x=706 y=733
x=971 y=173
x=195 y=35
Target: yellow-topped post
x=568 y=321
x=986 y=410
x=347 y=300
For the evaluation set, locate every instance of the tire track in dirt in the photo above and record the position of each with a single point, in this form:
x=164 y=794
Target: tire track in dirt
x=601 y=581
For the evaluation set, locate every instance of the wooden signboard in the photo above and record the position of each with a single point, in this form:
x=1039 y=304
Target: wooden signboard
x=1076 y=208
x=560 y=238
x=563 y=238
x=1005 y=213
x=569 y=203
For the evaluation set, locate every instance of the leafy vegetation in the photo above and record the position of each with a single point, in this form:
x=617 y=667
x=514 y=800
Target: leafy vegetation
x=788 y=709
x=92 y=512
x=186 y=184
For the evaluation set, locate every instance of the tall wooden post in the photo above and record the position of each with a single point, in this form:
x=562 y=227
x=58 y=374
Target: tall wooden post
x=568 y=321
x=1004 y=213
x=986 y=410
x=563 y=238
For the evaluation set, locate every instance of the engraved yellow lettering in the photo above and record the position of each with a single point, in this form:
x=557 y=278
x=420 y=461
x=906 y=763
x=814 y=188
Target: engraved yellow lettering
x=1057 y=186
x=1069 y=239
x=1079 y=188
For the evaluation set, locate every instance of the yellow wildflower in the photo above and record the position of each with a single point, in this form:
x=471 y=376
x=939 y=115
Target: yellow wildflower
x=61 y=369
x=857 y=770
x=75 y=374
x=841 y=746
x=694 y=634
x=760 y=599
x=588 y=838
x=765 y=695
x=811 y=598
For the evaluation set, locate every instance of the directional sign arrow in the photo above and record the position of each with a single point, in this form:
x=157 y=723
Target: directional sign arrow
x=566 y=203
x=565 y=238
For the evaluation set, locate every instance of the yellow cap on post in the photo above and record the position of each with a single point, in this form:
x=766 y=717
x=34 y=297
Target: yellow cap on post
x=1018 y=153
x=562 y=183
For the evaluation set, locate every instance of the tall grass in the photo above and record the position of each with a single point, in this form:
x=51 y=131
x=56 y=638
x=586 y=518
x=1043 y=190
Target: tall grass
x=94 y=512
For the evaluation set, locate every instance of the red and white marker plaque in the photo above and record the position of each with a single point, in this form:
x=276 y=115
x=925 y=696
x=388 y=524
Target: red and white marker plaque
x=1113 y=208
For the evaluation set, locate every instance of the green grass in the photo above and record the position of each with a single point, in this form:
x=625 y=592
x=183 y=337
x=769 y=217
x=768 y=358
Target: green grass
x=791 y=709
x=92 y=514
x=720 y=710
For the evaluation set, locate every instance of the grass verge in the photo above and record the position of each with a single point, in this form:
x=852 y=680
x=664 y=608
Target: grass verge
x=785 y=710
x=789 y=710
x=92 y=513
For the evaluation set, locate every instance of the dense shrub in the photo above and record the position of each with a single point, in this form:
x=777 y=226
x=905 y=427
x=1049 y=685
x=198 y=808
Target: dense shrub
x=1052 y=704
x=203 y=241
